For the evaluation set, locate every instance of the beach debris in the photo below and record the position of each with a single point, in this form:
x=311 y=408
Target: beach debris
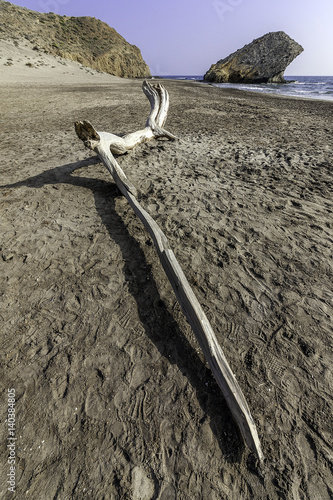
x=262 y=61
x=104 y=144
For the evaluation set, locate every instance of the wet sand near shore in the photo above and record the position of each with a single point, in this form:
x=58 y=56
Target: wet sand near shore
x=113 y=395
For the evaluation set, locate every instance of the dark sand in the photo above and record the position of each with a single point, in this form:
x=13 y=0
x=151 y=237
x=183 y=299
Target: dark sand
x=113 y=396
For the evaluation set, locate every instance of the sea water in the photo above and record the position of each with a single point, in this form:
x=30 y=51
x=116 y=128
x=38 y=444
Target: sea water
x=313 y=87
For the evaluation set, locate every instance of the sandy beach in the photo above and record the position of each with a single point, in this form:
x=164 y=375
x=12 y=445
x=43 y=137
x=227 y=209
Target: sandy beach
x=113 y=398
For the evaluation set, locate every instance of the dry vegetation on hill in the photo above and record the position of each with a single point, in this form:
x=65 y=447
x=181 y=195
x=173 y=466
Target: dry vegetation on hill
x=84 y=39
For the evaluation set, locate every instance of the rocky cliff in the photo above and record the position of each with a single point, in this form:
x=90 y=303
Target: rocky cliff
x=262 y=61
x=84 y=39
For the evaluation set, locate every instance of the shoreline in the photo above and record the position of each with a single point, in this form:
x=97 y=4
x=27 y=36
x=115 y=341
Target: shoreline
x=39 y=69
x=20 y=61
x=106 y=79
x=249 y=93
x=252 y=91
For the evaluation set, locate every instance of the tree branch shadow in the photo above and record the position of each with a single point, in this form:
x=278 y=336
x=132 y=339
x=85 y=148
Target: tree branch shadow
x=161 y=327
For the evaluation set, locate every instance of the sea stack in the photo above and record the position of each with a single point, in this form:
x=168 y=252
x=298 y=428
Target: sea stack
x=262 y=61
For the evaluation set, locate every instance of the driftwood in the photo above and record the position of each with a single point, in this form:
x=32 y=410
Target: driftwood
x=104 y=145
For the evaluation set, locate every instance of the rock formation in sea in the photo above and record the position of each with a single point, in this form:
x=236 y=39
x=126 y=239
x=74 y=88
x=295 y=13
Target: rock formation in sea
x=86 y=40
x=262 y=61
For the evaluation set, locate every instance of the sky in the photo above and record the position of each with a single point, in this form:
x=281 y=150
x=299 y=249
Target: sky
x=184 y=37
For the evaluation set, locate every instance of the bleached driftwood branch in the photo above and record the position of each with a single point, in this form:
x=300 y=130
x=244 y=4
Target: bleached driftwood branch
x=104 y=144
x=159 y=102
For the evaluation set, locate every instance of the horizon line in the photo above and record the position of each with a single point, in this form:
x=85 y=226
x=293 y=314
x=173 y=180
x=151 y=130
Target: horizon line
x=197 y=74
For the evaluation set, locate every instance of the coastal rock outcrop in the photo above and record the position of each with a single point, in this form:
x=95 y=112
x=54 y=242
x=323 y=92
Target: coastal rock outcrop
x=262 y=61
x=86 y=40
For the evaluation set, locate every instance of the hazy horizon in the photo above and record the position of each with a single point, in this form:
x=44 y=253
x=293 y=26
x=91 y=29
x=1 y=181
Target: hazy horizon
x=184 y=37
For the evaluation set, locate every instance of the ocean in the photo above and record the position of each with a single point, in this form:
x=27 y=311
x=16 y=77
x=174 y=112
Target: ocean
x=313 y=87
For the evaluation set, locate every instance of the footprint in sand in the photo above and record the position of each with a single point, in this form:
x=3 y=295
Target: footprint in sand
x=314 y=486
x=168 y=444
